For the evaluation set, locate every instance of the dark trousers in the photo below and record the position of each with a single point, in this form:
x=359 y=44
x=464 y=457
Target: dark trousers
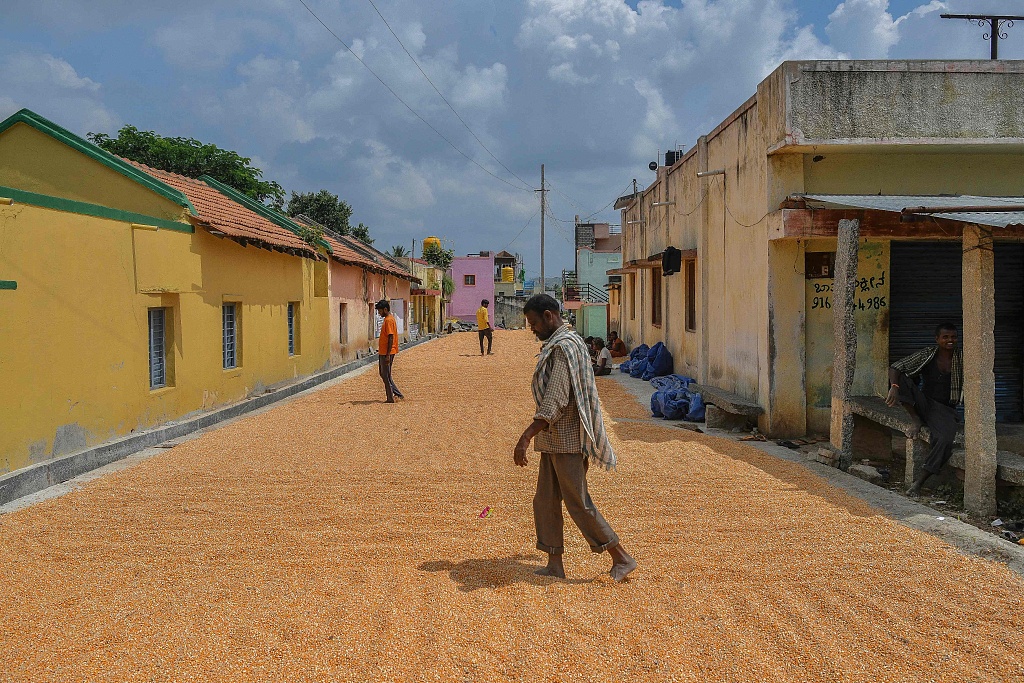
x=606 y=370
x=384 y=366
x=488 y=334
x=563 y=479
x=940 y=419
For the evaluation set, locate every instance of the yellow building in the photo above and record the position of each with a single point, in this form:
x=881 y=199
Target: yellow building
x=427 y=305
x=133 y=296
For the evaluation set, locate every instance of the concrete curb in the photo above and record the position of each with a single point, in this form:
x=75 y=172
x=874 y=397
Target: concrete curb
x=965 y=537
x=35 y=478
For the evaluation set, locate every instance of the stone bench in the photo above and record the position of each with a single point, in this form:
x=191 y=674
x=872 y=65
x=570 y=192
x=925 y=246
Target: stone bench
x=1009 y=466
x=726 y=410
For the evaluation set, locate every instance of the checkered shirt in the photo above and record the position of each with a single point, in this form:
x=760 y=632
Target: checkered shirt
x=558 y=409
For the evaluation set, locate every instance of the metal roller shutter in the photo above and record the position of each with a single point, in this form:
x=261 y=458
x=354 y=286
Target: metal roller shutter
x=925 y=291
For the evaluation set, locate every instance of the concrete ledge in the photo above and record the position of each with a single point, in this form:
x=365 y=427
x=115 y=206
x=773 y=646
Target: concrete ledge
x=875 y=409
x=1009 y=466
x=33 y=478
x=726 y=400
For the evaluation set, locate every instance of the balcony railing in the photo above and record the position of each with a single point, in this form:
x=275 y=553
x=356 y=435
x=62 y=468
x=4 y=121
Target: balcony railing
x=586 y=293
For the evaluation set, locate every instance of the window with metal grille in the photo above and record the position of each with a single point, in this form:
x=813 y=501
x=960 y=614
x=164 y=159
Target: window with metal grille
x=291 y=329
x=230 y=336
x=157 y=348
x=469 y=280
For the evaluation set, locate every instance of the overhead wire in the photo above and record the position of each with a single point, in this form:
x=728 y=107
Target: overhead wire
x=535 y=214
x=445 y=99
x=619 y=194
x=406 y=104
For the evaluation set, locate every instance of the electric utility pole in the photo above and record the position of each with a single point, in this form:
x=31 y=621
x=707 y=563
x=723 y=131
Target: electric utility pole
x=543 y=191
x=993 y=23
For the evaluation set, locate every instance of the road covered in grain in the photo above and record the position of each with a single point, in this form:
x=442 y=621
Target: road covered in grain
x=336 y=538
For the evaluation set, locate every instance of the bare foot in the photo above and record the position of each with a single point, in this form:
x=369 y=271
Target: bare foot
x=620 y=570
x=556 y=572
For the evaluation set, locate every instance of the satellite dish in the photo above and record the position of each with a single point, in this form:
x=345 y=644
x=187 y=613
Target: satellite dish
x=653 y=165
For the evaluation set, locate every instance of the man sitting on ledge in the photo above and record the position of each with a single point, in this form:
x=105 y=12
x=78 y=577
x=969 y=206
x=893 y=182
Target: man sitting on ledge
x=942 y=369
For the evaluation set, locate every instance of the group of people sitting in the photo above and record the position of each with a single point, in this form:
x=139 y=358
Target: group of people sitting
x=601 y=354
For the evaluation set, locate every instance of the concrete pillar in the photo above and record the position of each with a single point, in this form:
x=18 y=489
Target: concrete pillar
x=917 y=453
x=979 y=374
x=845 y=334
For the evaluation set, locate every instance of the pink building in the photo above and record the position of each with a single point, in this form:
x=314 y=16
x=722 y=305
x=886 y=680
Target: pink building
x=474 y=280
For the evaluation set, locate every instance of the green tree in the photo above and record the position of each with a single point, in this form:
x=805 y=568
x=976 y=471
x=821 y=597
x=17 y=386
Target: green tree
x=438 y=257
x=192 y=158
x=397 y=251
x=324 y=207
x=362 y=232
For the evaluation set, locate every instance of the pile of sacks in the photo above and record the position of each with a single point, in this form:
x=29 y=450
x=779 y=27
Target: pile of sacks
x=673 y=400
x=647 y=362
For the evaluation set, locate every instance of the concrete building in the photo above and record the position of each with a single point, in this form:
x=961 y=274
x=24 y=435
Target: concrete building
x=132 y=297
x=813 y=179
x=586 y=289
x=473 y=275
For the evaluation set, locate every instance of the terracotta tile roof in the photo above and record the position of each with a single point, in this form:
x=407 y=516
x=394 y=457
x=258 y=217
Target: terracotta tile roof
x=352 y=251
x=343 y=254
x=220 y=213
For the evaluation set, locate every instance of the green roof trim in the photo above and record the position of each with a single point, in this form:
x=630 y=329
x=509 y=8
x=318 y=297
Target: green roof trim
x=254 y=206
x=8 y=284
x=46 y=201
x=30 y=118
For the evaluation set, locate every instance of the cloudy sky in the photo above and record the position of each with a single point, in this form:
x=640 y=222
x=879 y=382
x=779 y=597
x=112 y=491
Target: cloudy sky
x=591 y=88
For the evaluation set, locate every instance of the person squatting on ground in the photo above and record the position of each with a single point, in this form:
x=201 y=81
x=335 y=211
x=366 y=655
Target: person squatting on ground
x=934 y=405
x=617 y=347
x=568 y=431
x=603 y=363
x=387 y=349
x=483 y=325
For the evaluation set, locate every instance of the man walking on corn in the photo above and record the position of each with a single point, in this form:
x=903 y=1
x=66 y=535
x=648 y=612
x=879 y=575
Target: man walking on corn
x=568 y=431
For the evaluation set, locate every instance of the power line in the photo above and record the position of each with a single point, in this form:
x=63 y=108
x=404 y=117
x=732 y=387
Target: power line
x=461 y=120
x=620 y=194
x=406 y=104
x=535 y=214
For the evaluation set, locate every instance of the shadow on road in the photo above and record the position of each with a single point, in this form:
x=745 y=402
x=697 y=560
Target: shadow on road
x=494 y=572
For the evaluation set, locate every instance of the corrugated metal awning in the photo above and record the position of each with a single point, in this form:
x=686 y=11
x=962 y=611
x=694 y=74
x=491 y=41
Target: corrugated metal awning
x=998 y=212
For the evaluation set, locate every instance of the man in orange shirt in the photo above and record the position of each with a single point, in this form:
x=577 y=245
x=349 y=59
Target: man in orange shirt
x=388 y=349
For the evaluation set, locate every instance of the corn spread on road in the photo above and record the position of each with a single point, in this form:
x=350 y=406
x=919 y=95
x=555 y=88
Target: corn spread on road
x=335 y=538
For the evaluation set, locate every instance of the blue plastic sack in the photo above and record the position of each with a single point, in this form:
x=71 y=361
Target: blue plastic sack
x=639 y=352
x=675 y=404
x=656 y=405
x=659 y=362
x=624 y=366
x=674 y=382
x=697 y=408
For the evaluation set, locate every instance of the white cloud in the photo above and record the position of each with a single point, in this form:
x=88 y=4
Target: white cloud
x=863 y=29
x=51 y=87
